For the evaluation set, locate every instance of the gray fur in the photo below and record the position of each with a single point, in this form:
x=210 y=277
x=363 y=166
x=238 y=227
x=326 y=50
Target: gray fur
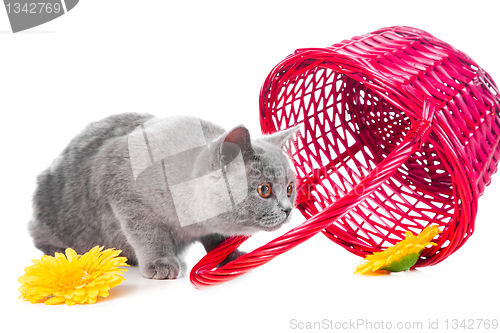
x=88 y=196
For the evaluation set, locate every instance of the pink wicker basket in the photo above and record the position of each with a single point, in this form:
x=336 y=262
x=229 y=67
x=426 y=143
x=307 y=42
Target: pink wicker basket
x=399 y=130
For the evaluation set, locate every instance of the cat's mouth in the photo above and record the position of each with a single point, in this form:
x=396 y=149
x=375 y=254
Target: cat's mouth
x=271 y=223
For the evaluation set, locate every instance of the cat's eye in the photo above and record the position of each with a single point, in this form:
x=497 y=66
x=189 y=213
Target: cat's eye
x=289 y=189
x=264 y=190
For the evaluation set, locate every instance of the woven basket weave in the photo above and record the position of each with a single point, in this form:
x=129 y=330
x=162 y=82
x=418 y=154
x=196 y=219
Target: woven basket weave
x=399 y=130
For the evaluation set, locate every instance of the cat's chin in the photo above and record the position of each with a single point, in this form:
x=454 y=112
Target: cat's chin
x=272 y=228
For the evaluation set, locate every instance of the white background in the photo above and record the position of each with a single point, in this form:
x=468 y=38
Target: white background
x=209 y=59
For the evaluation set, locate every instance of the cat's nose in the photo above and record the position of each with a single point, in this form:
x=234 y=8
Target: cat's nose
x=287 y=210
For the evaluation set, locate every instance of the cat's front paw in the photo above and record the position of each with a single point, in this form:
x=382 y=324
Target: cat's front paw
x=161 y=268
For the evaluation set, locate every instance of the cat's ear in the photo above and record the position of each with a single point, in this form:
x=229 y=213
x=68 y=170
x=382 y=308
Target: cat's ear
x=229 y=145
x=280 y=138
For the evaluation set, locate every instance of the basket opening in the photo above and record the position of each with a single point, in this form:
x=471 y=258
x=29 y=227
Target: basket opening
x=347 y=129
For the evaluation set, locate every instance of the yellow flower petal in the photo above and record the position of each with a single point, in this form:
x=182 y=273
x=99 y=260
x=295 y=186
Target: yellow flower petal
x=71 y=254
x=70 y=302
x=55 y=300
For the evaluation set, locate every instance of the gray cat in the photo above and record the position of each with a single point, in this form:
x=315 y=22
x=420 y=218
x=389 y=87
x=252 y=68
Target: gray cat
x=100 y=191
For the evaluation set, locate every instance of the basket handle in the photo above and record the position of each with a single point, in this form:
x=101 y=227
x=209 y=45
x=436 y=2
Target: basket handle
x=203 y=273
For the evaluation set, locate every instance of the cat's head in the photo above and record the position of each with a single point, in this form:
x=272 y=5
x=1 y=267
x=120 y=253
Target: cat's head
x=258 y=178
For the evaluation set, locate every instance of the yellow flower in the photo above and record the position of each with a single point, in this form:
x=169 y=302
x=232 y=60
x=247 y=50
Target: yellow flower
x=73 y=278
x=400 y=256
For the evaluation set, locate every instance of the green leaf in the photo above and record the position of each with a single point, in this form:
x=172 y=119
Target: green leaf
x=402 y=265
